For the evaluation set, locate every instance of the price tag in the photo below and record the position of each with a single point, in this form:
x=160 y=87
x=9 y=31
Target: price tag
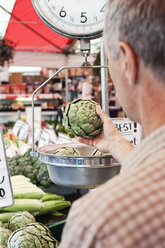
x=24 y=131
x=44 y=139
x=6 y=195
x=37 y=133
x=130 y=130
x=17 y=127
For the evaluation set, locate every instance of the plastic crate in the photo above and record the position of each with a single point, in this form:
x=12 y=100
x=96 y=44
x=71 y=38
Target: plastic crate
x=56 y=229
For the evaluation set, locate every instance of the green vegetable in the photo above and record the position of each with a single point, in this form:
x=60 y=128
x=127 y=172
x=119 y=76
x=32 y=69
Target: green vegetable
x=57 y=214
x=30 y=167
x=5 y=217
x=50 y=196
x=20 y=219
x=53 y=206
x=37 y=228
x=4 y=235
x=27 y=239
x=25 y=189
x=1 y=224
x=48 y=241
x=19 y=178
x=43 y=176
x=67 y=151
x=29 y=205
x=81 y=117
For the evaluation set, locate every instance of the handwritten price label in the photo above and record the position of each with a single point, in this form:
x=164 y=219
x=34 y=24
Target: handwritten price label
x=6 y=195
x=130 y=130
x=44 y=139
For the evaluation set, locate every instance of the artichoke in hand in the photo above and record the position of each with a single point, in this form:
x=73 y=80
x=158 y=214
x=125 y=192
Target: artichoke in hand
x=67 y=151
x=81 y=118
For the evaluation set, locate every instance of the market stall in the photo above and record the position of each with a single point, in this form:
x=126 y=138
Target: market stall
x=48 y=167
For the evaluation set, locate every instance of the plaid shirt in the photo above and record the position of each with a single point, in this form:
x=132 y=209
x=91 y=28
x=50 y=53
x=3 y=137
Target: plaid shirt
x=128 y=211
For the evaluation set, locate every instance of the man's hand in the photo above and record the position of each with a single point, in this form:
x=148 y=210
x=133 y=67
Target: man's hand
x=109 y=141
x=103 y=141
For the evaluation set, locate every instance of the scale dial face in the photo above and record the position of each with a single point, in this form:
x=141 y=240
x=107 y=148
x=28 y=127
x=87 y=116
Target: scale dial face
x=78 y=19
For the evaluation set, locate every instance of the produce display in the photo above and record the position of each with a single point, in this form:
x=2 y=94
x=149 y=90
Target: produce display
x=30 y=167
x=28 y=197
x=81 y=118
x=27 y=233
x=67 y=151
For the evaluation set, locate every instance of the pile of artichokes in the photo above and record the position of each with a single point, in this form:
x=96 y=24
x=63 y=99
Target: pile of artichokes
x=25 y=232
x=81 y=118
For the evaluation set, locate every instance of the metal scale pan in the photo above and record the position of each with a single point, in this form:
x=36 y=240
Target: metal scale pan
x=82 y=172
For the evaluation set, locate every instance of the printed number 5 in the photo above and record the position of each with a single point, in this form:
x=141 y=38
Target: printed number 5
x=83 y=17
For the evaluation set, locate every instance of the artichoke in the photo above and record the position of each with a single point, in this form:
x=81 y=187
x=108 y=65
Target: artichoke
x=24 y=238
x=48 y=241
x=99 y=153
x=38 y=228
x=81 y=117
x=67 y=151
x=4 y=235
x=1 y=224
x=20 y=219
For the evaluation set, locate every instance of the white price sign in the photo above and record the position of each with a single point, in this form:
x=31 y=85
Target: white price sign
x=44 y=139
x=24 y=131
x=6 y=195
x=130 y=130
x=17 y=127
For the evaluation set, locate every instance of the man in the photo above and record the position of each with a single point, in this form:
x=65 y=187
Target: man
x=128 y=211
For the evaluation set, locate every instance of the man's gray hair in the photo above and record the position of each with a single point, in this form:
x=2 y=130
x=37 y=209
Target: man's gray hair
x=141 y=24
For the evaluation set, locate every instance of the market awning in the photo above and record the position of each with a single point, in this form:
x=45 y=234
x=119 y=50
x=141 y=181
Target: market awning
x=29 y=33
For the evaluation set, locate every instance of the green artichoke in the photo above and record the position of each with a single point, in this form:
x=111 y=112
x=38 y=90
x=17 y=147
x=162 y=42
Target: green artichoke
x=99 y=153
x=1 y=224
x=67 y=151
x=4 y=235
x=24 y=238
x=20 y=219
x=38 y=228
x=48 y=241
x=81 y=117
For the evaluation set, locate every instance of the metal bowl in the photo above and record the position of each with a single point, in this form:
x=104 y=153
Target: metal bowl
x=84 y=172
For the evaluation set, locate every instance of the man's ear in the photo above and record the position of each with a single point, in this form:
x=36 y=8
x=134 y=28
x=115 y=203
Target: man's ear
x=128 y=62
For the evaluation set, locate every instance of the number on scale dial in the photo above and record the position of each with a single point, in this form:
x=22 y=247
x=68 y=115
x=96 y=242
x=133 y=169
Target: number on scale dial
x=73 y=18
